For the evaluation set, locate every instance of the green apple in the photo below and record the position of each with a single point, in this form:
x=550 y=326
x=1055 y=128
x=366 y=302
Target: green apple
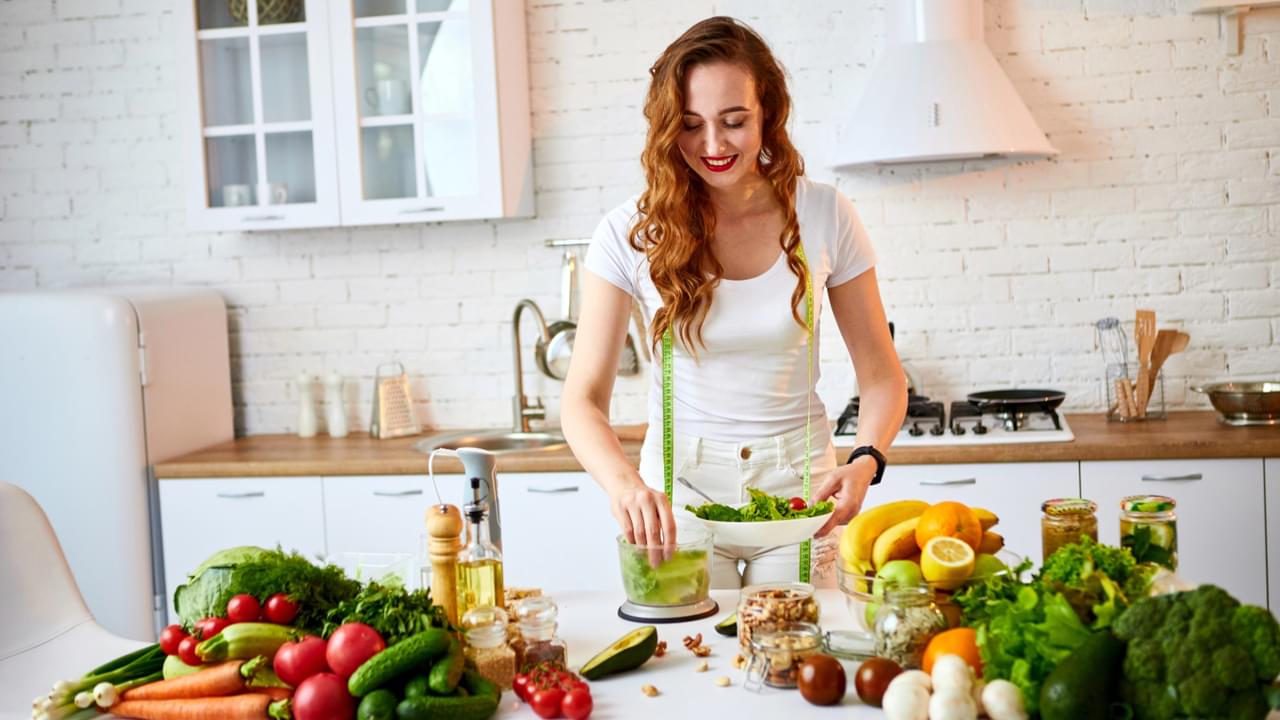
x=905 y=573
x=986 y=566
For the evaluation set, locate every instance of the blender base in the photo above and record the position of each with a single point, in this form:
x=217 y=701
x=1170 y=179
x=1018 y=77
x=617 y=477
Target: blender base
x=669 y=614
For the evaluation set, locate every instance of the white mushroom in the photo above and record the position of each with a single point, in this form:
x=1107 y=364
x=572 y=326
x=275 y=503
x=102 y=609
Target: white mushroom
x=952 y=705
x=913 y=677
x=978 y=687
x=905 y=701
x=1003 y=701
x=951 y=672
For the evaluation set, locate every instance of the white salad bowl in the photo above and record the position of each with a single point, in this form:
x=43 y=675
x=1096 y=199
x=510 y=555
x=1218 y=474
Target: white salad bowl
x=765 y=533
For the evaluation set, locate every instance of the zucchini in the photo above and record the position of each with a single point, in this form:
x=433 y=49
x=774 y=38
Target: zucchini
x=244 y=641
x=626 y=653
x=413 y=651
x=175 y=668
x=447 y=671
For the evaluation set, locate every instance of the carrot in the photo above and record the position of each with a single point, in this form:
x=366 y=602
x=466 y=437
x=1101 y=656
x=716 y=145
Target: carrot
x=275 y=693
x=250 y=706
x=221 y=679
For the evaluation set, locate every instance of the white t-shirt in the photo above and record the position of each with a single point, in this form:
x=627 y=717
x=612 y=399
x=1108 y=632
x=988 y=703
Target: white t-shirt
x=749 y=382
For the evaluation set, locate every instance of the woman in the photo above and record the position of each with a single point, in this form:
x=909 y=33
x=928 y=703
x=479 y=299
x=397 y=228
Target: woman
x=719 y=251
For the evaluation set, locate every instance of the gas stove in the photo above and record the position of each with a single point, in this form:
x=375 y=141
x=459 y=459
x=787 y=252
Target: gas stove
x=984 y=418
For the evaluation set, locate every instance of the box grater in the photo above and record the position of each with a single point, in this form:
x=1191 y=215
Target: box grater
x=393 y=414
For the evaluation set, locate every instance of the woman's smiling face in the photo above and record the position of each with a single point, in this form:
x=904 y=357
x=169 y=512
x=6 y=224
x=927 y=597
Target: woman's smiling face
x=721 y=136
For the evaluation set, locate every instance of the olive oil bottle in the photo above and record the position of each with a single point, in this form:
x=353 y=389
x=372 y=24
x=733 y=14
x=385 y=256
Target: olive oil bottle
x=479 y=570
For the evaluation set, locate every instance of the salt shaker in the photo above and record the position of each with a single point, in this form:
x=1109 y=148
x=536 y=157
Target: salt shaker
x=306 y=406
x=335 y=411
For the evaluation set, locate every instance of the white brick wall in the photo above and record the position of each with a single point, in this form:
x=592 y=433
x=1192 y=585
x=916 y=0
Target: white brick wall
x=1166 y=195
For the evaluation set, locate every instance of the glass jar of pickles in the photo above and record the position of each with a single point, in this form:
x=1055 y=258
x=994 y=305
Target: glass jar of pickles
x=1149 y=528
x=1066 y=521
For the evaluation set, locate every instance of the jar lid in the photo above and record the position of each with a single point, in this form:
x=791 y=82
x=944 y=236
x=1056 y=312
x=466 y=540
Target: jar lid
x=536 y=611
x=1069 y=506
x=486 y=626
x=1148 y=504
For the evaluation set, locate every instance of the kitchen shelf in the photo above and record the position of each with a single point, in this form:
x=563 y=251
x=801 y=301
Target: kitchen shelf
x=1229 y=13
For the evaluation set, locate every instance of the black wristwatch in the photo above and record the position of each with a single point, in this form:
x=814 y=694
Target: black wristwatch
x=874 y=453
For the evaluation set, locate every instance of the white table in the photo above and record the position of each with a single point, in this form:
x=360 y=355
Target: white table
x=589 y=622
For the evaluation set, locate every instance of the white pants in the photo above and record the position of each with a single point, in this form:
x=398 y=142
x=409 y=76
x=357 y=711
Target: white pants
x=724 y=470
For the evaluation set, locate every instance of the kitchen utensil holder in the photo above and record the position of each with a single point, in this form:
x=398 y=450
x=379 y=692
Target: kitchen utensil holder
x=1119 y=388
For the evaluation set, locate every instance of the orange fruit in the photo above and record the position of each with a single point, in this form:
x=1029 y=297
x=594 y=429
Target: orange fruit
x=949 y=519
x=958 y=641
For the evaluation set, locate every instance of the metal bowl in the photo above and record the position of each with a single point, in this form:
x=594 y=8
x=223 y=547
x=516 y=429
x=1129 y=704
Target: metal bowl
x=1245 y=403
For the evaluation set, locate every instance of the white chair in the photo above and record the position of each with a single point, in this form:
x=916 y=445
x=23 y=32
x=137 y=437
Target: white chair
x=46 y=631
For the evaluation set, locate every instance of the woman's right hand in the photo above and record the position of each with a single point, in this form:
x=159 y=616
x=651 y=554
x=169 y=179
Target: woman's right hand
x=645 y=516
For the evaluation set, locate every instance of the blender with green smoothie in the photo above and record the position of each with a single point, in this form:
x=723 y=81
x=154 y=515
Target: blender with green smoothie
x=1149 y=528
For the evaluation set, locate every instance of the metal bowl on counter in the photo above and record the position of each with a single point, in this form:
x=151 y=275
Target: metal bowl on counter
x=1245 y=403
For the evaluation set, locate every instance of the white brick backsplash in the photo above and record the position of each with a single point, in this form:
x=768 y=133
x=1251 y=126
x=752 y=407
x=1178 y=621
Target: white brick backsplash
x=1164 y=196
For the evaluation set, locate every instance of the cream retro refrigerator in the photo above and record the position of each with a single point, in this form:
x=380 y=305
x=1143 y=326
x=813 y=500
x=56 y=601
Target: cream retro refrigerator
x=96 y=386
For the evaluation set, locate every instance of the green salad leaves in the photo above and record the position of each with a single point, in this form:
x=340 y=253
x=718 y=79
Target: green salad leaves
x=762 y=507
x=682 y=579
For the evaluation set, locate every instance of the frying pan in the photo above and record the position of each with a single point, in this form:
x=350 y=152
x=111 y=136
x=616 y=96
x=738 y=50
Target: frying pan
x=1003 y=401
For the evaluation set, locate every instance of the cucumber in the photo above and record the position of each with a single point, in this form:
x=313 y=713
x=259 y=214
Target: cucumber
x=377 y=705
x=626 y=653
x=413 y=651
x=728 y=626
x=243 y=641
x=447 y=671
x=477 y=684
x=416 y=687
x=474 y=707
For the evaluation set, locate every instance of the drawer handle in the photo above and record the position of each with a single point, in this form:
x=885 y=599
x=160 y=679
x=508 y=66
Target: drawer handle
x=261 y=218
x=959 y=481
x=1172 y=478
x=554 y=490
x=428 y=209
x=398 y=493
x=239 y=495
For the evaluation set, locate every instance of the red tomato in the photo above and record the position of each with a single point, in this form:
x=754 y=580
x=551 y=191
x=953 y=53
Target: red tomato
x=297 y=661
x=170 y=637
x=243 y=608
x=798 y=503
x=350 y=645
x=280 y=609
x=187 y=651
x=323 y=697
x=210 y=626
x=546 y=703
x=520 y=685
x=577 y=703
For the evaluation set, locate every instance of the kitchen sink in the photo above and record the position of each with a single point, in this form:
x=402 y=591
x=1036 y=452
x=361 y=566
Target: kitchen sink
x=497 y=441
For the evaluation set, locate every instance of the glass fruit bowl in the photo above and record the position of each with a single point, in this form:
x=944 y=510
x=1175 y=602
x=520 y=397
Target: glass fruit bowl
x=654 y=577
x=862 y=592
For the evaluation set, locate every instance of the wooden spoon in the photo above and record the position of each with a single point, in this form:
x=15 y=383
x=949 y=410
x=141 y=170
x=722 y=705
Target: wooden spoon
x=1167 y=343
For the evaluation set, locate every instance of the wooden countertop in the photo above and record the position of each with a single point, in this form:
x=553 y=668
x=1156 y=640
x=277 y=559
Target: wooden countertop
x=1182 y=435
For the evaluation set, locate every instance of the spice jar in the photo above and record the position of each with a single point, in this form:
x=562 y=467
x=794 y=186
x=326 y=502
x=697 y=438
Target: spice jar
x=764 y=607
x=536 y=618
x=908 y=618
x=776 y=655
x=487 y=648
x=1066 y=521
x=1149 y=528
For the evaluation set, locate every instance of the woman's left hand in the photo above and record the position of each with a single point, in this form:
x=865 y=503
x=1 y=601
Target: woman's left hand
x=847 y=485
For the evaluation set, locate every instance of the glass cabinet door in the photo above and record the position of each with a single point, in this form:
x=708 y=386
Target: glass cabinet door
x=415 y=102
x=259 y=129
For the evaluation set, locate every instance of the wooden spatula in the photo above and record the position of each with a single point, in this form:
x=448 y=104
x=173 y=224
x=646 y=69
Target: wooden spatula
x=1144 y=332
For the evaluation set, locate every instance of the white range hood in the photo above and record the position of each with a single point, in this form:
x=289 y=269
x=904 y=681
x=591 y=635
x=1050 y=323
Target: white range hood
x=937 y=94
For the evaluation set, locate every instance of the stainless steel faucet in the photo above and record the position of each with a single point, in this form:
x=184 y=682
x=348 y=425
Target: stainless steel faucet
x=524 y=411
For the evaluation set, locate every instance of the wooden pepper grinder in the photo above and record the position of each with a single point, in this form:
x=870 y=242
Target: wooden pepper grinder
x=444 y=525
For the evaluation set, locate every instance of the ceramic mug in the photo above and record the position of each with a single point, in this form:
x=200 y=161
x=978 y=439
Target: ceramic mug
x=388 y=97
x=276 y=193
x=236 y=195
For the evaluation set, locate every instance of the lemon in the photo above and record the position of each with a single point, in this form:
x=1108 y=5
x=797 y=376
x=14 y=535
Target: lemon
x=947 y=562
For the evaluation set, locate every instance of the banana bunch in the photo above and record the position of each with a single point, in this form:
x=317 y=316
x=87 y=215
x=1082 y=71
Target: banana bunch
x=888 y=532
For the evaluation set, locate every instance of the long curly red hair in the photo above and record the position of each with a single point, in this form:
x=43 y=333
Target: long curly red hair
x=676 y=220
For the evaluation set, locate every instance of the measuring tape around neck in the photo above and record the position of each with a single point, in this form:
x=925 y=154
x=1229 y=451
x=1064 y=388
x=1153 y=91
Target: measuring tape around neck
x=668 y=413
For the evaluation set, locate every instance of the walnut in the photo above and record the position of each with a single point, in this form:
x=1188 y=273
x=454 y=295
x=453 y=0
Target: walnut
x=661 y=649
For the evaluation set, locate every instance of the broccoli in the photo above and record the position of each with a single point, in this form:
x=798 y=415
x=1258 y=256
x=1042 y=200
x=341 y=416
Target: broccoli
x=1257 y=631
x=1197 y=654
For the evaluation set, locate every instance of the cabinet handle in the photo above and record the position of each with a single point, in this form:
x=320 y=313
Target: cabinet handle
x=550 y=491
x=398 y=493
x=237 y=496
x=959 y=481
x=428 y=209
x=261 y=218
x=1172 y=478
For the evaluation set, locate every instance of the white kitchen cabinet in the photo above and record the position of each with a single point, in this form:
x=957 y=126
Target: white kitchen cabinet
x=1221 y=521
x=431 y=103
x=1013 y=491
x=1272 y=487
x=256 y=107
x=557 y=532
x=200 y=517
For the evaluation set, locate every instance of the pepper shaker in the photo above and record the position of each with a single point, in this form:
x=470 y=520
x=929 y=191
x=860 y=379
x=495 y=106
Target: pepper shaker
x=335 y=410
x=306 y=406
x=444 y=525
